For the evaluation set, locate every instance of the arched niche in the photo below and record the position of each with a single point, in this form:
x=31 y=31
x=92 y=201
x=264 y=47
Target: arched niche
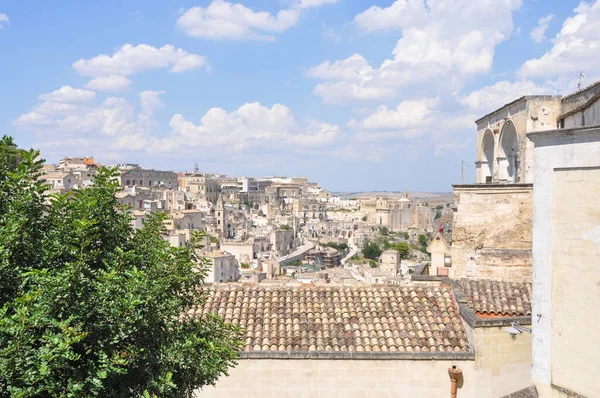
x=508 y=153
x=487 y=158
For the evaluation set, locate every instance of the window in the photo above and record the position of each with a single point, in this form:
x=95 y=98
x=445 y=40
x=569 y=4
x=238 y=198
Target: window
x=150 y=183
x=127 y=182
x=133 y=182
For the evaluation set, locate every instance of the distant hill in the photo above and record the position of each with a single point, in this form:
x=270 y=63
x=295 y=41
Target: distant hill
x=432 y=196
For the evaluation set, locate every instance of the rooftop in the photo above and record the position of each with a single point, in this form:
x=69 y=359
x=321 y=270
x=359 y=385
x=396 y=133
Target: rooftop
x=337 y=319
x=487 y=297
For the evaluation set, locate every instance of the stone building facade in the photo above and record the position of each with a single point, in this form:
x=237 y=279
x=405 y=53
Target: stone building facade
x=493 y=218
x=139 y=177
x=491 y=231
x=223 y=267
x=566 y=253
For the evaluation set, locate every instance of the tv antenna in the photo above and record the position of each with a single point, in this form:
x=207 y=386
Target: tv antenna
x=196 y=167
x=581 y=76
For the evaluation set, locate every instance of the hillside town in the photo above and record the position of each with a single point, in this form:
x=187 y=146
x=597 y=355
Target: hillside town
x=312 y=275
x=273 y=230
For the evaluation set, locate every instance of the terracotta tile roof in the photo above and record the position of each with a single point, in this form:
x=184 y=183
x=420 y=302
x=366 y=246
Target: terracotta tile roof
x=337 y=318
x=489 y=297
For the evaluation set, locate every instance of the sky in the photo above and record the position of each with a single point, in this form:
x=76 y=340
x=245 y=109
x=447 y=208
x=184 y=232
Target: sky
x=355 y=94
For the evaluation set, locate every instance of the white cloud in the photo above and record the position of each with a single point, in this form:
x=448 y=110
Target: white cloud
x=110 y=83
x=69 y=119
x=488 y=98
x=314 y=3
x=68 y=116
x=575 y=48
x=401 y=14
x=408 y=114
x=69 y=95
x=131 y=59
x=451 y=43
x=252 y=124
x=150 y=101
x=222 y=20
x=3 y=20
x=537 y=33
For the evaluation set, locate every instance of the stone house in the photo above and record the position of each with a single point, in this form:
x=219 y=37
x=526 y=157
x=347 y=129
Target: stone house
x=138 y=177
x=441 y=258
x=61 y=181
x=375 y=340
x=389 y=262
x=223 y=267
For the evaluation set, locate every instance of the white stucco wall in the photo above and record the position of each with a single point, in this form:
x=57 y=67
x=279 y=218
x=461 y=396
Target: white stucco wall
x=501 y=366
x=557 y=149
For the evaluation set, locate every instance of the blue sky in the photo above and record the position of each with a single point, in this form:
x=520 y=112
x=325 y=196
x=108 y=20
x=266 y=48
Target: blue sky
x=355 y=94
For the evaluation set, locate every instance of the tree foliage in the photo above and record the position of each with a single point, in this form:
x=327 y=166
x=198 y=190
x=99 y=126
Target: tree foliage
x=371 y=250
x=338 y=246
x=402 y=248
x=90 y=307
x=423 y=240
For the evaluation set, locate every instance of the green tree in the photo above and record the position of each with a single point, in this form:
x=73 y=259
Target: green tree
x=405 y=235
x=338 y=246
x=402 y=248
x=364 y=218
x=90 y=307
x=384 y=231
x=423 y=240
x=371 y=250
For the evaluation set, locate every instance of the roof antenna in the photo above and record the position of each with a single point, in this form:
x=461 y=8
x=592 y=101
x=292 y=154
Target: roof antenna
x=196 y=167
x=581 y=75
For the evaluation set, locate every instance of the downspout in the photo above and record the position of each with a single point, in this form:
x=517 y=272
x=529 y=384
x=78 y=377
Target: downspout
x=455 y=374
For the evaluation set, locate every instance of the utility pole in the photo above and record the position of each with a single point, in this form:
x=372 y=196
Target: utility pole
x=581 y=75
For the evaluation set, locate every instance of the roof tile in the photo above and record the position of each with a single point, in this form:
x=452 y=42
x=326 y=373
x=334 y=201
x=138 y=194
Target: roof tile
x=498 y=298
x=337 y=318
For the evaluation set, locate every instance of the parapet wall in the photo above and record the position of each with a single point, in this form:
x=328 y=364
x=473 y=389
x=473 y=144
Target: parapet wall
x=500 y=366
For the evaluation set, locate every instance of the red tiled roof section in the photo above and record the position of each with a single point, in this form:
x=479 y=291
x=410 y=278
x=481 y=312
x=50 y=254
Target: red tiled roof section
x=498 y=298
x=329 y=319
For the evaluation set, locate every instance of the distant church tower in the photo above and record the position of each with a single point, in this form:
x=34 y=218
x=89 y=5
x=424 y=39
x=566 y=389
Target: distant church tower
x=220 y=215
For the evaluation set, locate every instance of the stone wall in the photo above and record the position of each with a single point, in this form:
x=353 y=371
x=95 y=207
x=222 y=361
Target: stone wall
x=491 y=232
x=566 y=250
x=501 y=366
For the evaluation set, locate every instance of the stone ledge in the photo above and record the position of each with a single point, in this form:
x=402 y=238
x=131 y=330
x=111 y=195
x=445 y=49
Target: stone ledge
x=425 y=278
x=345 y=355
x=507 y=186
